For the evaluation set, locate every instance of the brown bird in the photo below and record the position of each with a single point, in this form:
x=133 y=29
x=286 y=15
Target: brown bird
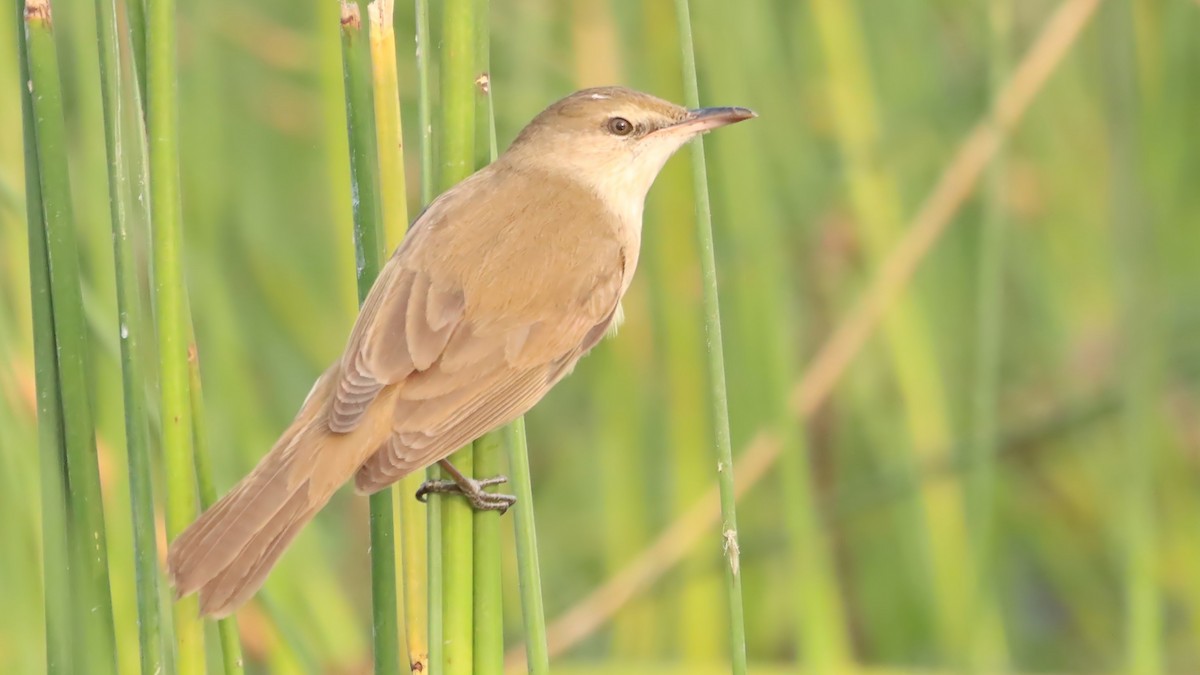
x=498 y=289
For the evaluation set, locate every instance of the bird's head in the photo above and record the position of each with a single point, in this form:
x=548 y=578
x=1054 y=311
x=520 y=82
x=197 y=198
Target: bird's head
x=614 y=140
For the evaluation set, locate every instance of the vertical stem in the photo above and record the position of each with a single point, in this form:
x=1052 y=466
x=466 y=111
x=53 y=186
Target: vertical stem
x=1139 y=305
x=393 y=195
x=136 y=15
x=488 y=607
x=425 y=102
x=716 y=357
x=985 y=648
x=94 y=630
x=436 y=658
x=394 y=208
x=227 y=628
x=528 y=569
x=457 y=159
x=364 y=176
x=116 y=91
x=162 y=119
x=56 y=580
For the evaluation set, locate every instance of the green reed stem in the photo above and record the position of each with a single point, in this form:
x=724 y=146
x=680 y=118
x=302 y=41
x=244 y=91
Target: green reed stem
x=136 y=15
x=368 y=252
x=489 y=608
x=121 y=105
x=93 y=627
x=162 y=126
x=394 y=208
x=1136 y=270
x=227 y=628
x=393 y=194
x=425 y=102
x=716 y=357
x=435 y=585
x=457 y=161
x=56 y=580
x=537 y=653
x=985 y=648
x=489 y=457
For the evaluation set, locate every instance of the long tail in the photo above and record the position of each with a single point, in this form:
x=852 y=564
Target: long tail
x=226 y=554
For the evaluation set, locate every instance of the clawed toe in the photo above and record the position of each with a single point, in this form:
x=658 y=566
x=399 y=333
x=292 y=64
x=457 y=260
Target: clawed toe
x=472 y=489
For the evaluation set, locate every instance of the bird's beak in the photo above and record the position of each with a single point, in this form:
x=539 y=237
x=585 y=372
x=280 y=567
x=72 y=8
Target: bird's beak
x=706 y=119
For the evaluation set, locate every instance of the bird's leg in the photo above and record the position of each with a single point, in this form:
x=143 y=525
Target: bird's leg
x=470 y=488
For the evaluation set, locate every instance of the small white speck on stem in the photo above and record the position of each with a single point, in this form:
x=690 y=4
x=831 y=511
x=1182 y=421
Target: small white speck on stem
x=732 y=550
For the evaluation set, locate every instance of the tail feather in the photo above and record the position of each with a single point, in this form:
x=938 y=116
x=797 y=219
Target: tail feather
x=211 y=543
x=247 y=571
x=227 y=553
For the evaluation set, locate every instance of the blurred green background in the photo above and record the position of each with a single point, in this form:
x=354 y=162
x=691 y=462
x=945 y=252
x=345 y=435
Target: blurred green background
x=1008 y=474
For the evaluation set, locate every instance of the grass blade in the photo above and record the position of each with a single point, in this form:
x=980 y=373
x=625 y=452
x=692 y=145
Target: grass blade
x=56 y=580
x=170 y=298
x=117 y=93
x=407 y=512
x=368 y=248
x=227 y=628
x=985 y=648
x=537 y=654
x=1139 y=301
x=94 y=633
x=436 y=657
x=488 y=608
x=716 y=357
x=457 y=161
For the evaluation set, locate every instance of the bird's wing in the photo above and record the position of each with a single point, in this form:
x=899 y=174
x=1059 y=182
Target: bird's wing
x=429 y=429
x=473 y=339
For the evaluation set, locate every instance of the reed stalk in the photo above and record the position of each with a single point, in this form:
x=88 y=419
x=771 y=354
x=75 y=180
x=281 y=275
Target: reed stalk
x=985 y=650
x=393 y=193
x=537 y=653
x=56 y=580
x=122 y=109
x=407 y=511
x=456 y=136
x=488 y=607
x=425 y=48
x=170 y=298
x=763 y=282
x=716 y=357
x=693 y=630
x=488 y=611
x=227 y=628
x=93 y=629
x=436 y=656
x=368 y=253
x=1136 y=268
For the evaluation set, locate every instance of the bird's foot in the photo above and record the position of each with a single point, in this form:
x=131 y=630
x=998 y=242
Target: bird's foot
x=471 y=488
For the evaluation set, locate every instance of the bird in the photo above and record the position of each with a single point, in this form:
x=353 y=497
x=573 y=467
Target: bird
x=499 y=287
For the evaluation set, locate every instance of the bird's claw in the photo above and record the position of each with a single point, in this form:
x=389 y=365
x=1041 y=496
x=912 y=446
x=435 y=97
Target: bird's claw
x=473 y=490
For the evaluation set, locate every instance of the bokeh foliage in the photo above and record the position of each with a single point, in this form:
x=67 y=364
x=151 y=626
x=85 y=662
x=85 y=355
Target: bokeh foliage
x=1094 y=548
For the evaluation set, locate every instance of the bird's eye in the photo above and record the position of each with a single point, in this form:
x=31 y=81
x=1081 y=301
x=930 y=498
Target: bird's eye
x=619 y=126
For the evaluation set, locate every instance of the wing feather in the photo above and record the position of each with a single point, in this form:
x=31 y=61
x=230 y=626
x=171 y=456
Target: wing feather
x=474 y=319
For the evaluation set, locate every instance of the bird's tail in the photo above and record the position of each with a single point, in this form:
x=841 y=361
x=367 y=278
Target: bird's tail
x=226 y=554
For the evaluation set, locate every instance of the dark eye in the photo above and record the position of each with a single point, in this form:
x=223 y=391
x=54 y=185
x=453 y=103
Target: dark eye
x=619 y=126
